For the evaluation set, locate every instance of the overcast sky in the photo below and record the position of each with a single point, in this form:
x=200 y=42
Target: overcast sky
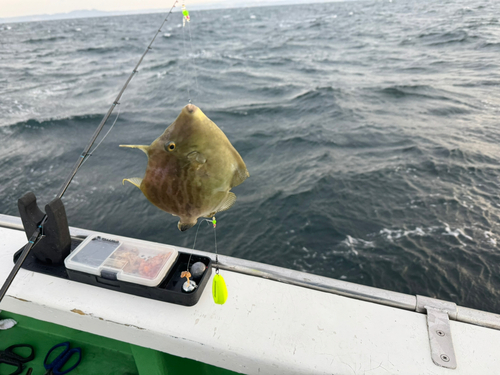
x=16 y=8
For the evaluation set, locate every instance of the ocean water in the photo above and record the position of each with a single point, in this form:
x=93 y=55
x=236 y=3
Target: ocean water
x=370 y=130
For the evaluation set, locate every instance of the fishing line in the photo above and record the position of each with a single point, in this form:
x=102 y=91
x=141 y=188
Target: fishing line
x=186 y=74
x=195 y=237
x=194 y=244
x=105 y=135
x=216 y=255
x=110 y=128
x=219 y=288
x=189 y=57
x=194 y=65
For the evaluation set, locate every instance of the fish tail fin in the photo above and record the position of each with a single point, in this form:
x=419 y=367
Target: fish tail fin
x=141 y=147
x=136 y=181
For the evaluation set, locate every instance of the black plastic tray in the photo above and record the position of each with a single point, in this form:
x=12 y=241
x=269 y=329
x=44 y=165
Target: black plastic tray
x=169 y=290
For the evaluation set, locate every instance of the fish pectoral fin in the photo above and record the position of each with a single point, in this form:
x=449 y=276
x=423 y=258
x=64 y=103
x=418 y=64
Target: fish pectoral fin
x=197 y=157
x=140 y=147
x=226 y=203
x=136 y=181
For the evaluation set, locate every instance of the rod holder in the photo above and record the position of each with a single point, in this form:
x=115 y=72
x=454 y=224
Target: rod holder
x=55 y=244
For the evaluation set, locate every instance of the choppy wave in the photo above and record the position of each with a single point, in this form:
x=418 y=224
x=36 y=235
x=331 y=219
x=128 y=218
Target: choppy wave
x=449 y=37
x=45 y=40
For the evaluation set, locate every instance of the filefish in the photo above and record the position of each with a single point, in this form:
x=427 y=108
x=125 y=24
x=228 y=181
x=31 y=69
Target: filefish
x=191 y=169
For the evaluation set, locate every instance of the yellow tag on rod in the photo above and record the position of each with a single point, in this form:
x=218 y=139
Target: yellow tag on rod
x=219 y=290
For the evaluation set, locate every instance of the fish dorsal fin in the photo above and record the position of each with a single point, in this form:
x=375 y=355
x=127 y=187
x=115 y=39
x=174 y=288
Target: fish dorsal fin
x=140 y=147
x=136 y=181
x=226 y=203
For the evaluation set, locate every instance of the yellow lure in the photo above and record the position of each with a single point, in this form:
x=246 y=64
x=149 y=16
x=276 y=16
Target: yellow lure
x=219 y=290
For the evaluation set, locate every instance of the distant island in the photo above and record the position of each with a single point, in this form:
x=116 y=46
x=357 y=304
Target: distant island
x=99 y=13
x=73 y=14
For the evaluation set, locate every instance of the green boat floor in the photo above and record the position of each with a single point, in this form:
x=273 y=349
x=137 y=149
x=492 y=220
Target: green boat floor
x=100 y=355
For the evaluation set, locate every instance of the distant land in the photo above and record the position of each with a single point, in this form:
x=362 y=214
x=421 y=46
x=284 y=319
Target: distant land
x=99 y=13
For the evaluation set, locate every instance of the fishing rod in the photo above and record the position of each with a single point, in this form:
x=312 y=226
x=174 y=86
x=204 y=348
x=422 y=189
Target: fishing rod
x=38 y=233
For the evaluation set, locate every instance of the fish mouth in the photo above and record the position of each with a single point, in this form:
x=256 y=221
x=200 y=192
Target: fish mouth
x=185 y=226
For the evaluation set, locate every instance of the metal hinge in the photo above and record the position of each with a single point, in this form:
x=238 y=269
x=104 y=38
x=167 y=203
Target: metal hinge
x=439 y=314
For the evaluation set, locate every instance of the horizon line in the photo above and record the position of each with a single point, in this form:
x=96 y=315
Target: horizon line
x=112 y=13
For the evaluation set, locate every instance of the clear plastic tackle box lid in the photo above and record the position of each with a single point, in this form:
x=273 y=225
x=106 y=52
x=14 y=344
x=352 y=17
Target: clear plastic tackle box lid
x=128 y=260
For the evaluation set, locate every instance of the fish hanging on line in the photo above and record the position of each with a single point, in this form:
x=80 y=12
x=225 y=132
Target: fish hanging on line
x=191 y=168
x=185 y=14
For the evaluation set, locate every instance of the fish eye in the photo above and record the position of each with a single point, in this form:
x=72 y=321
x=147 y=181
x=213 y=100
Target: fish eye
x=170 y=146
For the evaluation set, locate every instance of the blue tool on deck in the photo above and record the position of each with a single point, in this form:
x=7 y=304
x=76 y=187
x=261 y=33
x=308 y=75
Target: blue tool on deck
x=55 y=367
x=9 y=357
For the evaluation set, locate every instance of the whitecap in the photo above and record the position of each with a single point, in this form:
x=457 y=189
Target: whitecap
x=489 y=236
x=455 y=233
x=351 y=242
x=399 y=233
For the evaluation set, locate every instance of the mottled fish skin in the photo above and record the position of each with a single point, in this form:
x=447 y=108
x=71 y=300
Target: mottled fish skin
x=191 y=168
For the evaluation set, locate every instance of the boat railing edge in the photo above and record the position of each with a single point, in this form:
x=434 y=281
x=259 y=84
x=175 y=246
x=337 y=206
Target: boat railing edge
x=311 y=281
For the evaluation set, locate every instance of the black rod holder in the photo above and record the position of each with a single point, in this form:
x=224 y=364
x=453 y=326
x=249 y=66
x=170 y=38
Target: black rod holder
x=55 y=244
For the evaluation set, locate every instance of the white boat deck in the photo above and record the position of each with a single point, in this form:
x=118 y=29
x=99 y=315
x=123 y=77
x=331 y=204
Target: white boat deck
x=265 y=327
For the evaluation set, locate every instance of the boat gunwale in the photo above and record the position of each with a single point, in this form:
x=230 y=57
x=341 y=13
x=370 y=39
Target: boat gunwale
x=310 y=281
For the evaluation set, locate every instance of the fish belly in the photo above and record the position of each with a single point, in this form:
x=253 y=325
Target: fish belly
x=187 y=197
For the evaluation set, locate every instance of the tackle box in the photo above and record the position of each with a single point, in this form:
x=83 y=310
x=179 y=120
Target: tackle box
x=133 y=261
x=121 y=264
